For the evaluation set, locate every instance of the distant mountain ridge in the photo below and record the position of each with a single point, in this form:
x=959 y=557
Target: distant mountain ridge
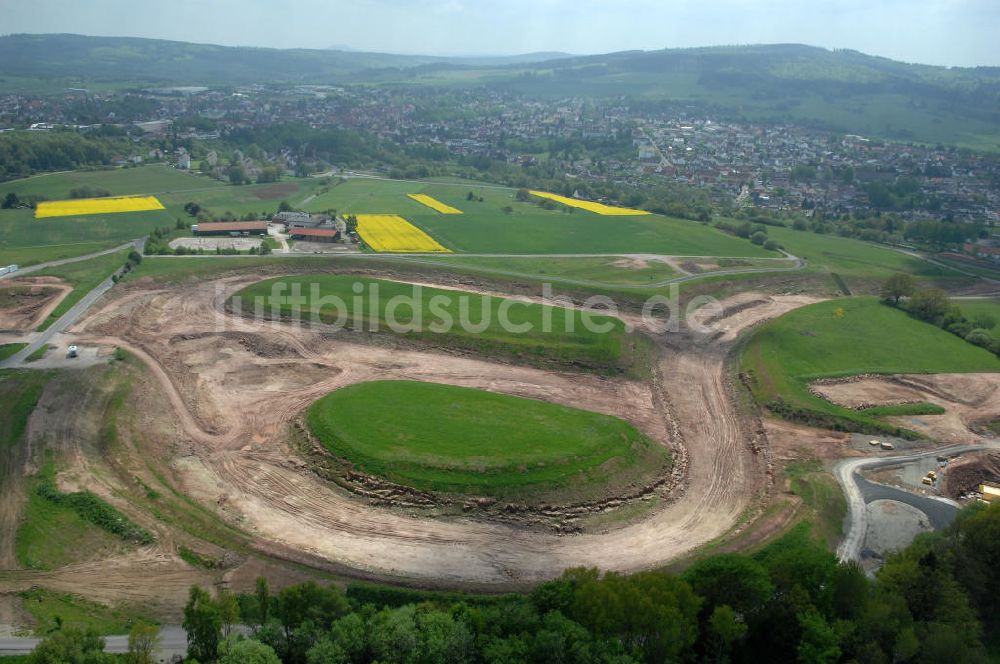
x=840 y=90
x=129 y=59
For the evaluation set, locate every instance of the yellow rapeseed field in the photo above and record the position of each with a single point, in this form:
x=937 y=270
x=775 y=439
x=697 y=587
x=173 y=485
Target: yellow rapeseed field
x=81 y=206
x=390 y=232
x=434 y=204
x=590 y=206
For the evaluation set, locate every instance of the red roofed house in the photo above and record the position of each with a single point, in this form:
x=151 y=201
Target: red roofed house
x=313 y=234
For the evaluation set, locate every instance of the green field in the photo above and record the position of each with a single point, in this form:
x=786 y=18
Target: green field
x=485 y=228
x=605 y=270
x=854 y=260
x=84 y=276
x=982 y=307
x=979 y=268
x=119 y=181
x=537 y=333
x=52 y=535
x=459 y=440
x=19 y=393
x=51 y=609
x=845 y=337
x=25 y=240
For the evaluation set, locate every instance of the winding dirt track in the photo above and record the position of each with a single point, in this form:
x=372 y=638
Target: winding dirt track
x=235 y=384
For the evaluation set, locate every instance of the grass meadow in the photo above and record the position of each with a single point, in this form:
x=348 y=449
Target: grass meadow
x=846 y=337
x=418 y=434
x=982 y=307
x=484 y=227
x=568 y=342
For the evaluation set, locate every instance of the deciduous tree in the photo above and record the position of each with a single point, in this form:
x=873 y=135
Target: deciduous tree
x=202 y=623
x=898 y=286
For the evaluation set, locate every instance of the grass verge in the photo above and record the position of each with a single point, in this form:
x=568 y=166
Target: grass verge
x=52 y=610
x=38 y=354
x=821 y=494
x=6 y=350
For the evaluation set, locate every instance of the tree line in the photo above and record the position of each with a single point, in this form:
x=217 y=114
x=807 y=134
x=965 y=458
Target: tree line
x=937 y=600
x=934 y=306
x=24 y=153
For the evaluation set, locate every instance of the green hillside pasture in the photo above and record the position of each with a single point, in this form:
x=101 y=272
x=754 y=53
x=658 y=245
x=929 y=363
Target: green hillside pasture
x=608 y=270
x=52 y=535
x=258 y=199
x=459 y=440
x=485 y=228
x=25 y=240
x=846 y=337
x=84 y=276
x=154 y=179
x=982 y=307
x=858 y=262
x=568 y=341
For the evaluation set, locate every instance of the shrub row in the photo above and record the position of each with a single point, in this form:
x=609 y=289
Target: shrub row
x=96 y=511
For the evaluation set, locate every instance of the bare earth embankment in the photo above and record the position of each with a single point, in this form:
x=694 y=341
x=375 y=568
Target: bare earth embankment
x=234 y=385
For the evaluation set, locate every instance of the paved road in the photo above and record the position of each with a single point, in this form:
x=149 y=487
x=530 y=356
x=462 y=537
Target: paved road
x=67 y=319
x=134 y=244
x=940 y=512
x=173 y=641
x=860 y=492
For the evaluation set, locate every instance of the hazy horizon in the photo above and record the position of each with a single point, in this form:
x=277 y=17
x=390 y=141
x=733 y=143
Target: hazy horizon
x=935 y=32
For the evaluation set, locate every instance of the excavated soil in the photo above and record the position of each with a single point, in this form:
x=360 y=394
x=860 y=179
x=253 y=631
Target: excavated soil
x=966 y=398
x=234 y=386
x=28 y=301
x=963 y=476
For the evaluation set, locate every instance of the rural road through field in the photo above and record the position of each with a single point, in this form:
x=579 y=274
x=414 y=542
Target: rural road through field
x=846 y=473
x=67 y=319
x=173 y=641
x=136 y=244
x=64 y=322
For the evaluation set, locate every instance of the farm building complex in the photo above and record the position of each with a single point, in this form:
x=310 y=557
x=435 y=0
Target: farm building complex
x=231 y=228
x=313 y=234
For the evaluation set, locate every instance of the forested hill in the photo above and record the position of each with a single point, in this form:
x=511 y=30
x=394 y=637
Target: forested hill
x=839 y=90
x=128 y=59
x=136 y=60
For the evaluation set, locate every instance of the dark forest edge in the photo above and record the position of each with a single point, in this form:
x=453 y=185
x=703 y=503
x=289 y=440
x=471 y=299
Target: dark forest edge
x=934 y=601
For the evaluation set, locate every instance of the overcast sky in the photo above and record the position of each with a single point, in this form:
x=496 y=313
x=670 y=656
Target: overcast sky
x=945 y=32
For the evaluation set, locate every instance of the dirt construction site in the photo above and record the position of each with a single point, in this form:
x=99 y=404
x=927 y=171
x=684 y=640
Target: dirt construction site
x=215 y=396
x=27 y=301
x=215 y=400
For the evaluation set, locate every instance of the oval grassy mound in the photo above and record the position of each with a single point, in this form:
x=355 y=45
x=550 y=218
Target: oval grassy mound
x=458 y=440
